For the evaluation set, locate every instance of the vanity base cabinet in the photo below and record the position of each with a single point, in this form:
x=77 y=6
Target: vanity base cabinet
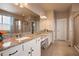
x=30 y=48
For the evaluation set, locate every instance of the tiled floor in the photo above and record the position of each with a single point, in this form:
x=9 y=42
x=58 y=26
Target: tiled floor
x=59 y=48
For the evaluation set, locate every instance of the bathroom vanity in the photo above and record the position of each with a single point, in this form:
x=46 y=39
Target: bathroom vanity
x=27 y=46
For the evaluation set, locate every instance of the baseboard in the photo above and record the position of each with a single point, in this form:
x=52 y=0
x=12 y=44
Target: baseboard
x=77 y=49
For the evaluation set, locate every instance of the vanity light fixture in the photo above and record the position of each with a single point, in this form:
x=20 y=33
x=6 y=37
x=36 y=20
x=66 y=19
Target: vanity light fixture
x=43 y=17
x=22 y=5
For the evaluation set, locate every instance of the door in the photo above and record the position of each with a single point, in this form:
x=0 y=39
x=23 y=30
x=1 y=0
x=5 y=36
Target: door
x=61 y=29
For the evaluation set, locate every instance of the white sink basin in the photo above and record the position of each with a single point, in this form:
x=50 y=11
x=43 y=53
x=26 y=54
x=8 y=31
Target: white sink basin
x=6 y=44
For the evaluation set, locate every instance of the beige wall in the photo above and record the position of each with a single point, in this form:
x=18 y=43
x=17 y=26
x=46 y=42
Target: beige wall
x=75 y=7
x=62 y=14
x=49 y=22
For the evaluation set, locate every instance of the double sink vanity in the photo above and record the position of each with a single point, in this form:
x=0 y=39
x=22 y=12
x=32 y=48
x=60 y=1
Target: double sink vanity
x=29 y=45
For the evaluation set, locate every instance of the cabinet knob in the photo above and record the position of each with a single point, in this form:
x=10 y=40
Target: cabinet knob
x=29 y=52
x=32 y=50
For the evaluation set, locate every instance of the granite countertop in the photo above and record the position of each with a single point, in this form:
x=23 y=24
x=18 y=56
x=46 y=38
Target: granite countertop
x=31 y=37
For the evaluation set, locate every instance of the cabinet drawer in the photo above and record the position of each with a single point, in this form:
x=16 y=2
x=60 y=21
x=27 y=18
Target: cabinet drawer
x=14 y=51
x=1 y=53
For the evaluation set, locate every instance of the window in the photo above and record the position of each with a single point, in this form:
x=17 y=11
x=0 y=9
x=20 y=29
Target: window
x=0 y=19
x=6 y=20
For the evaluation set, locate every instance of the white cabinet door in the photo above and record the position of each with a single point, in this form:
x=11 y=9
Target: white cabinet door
x=26 y=49
x=50 y=38
x=38 y=44
x=29 y=47
x=14 y=51
x=33 y=47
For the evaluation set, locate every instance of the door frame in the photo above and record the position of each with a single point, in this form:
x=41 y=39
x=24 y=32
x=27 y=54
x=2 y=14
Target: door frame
x=74 y=17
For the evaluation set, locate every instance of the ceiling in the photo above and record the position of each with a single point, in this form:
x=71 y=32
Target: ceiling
x=10 y=7
x=44 y=6
x=54 y=6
